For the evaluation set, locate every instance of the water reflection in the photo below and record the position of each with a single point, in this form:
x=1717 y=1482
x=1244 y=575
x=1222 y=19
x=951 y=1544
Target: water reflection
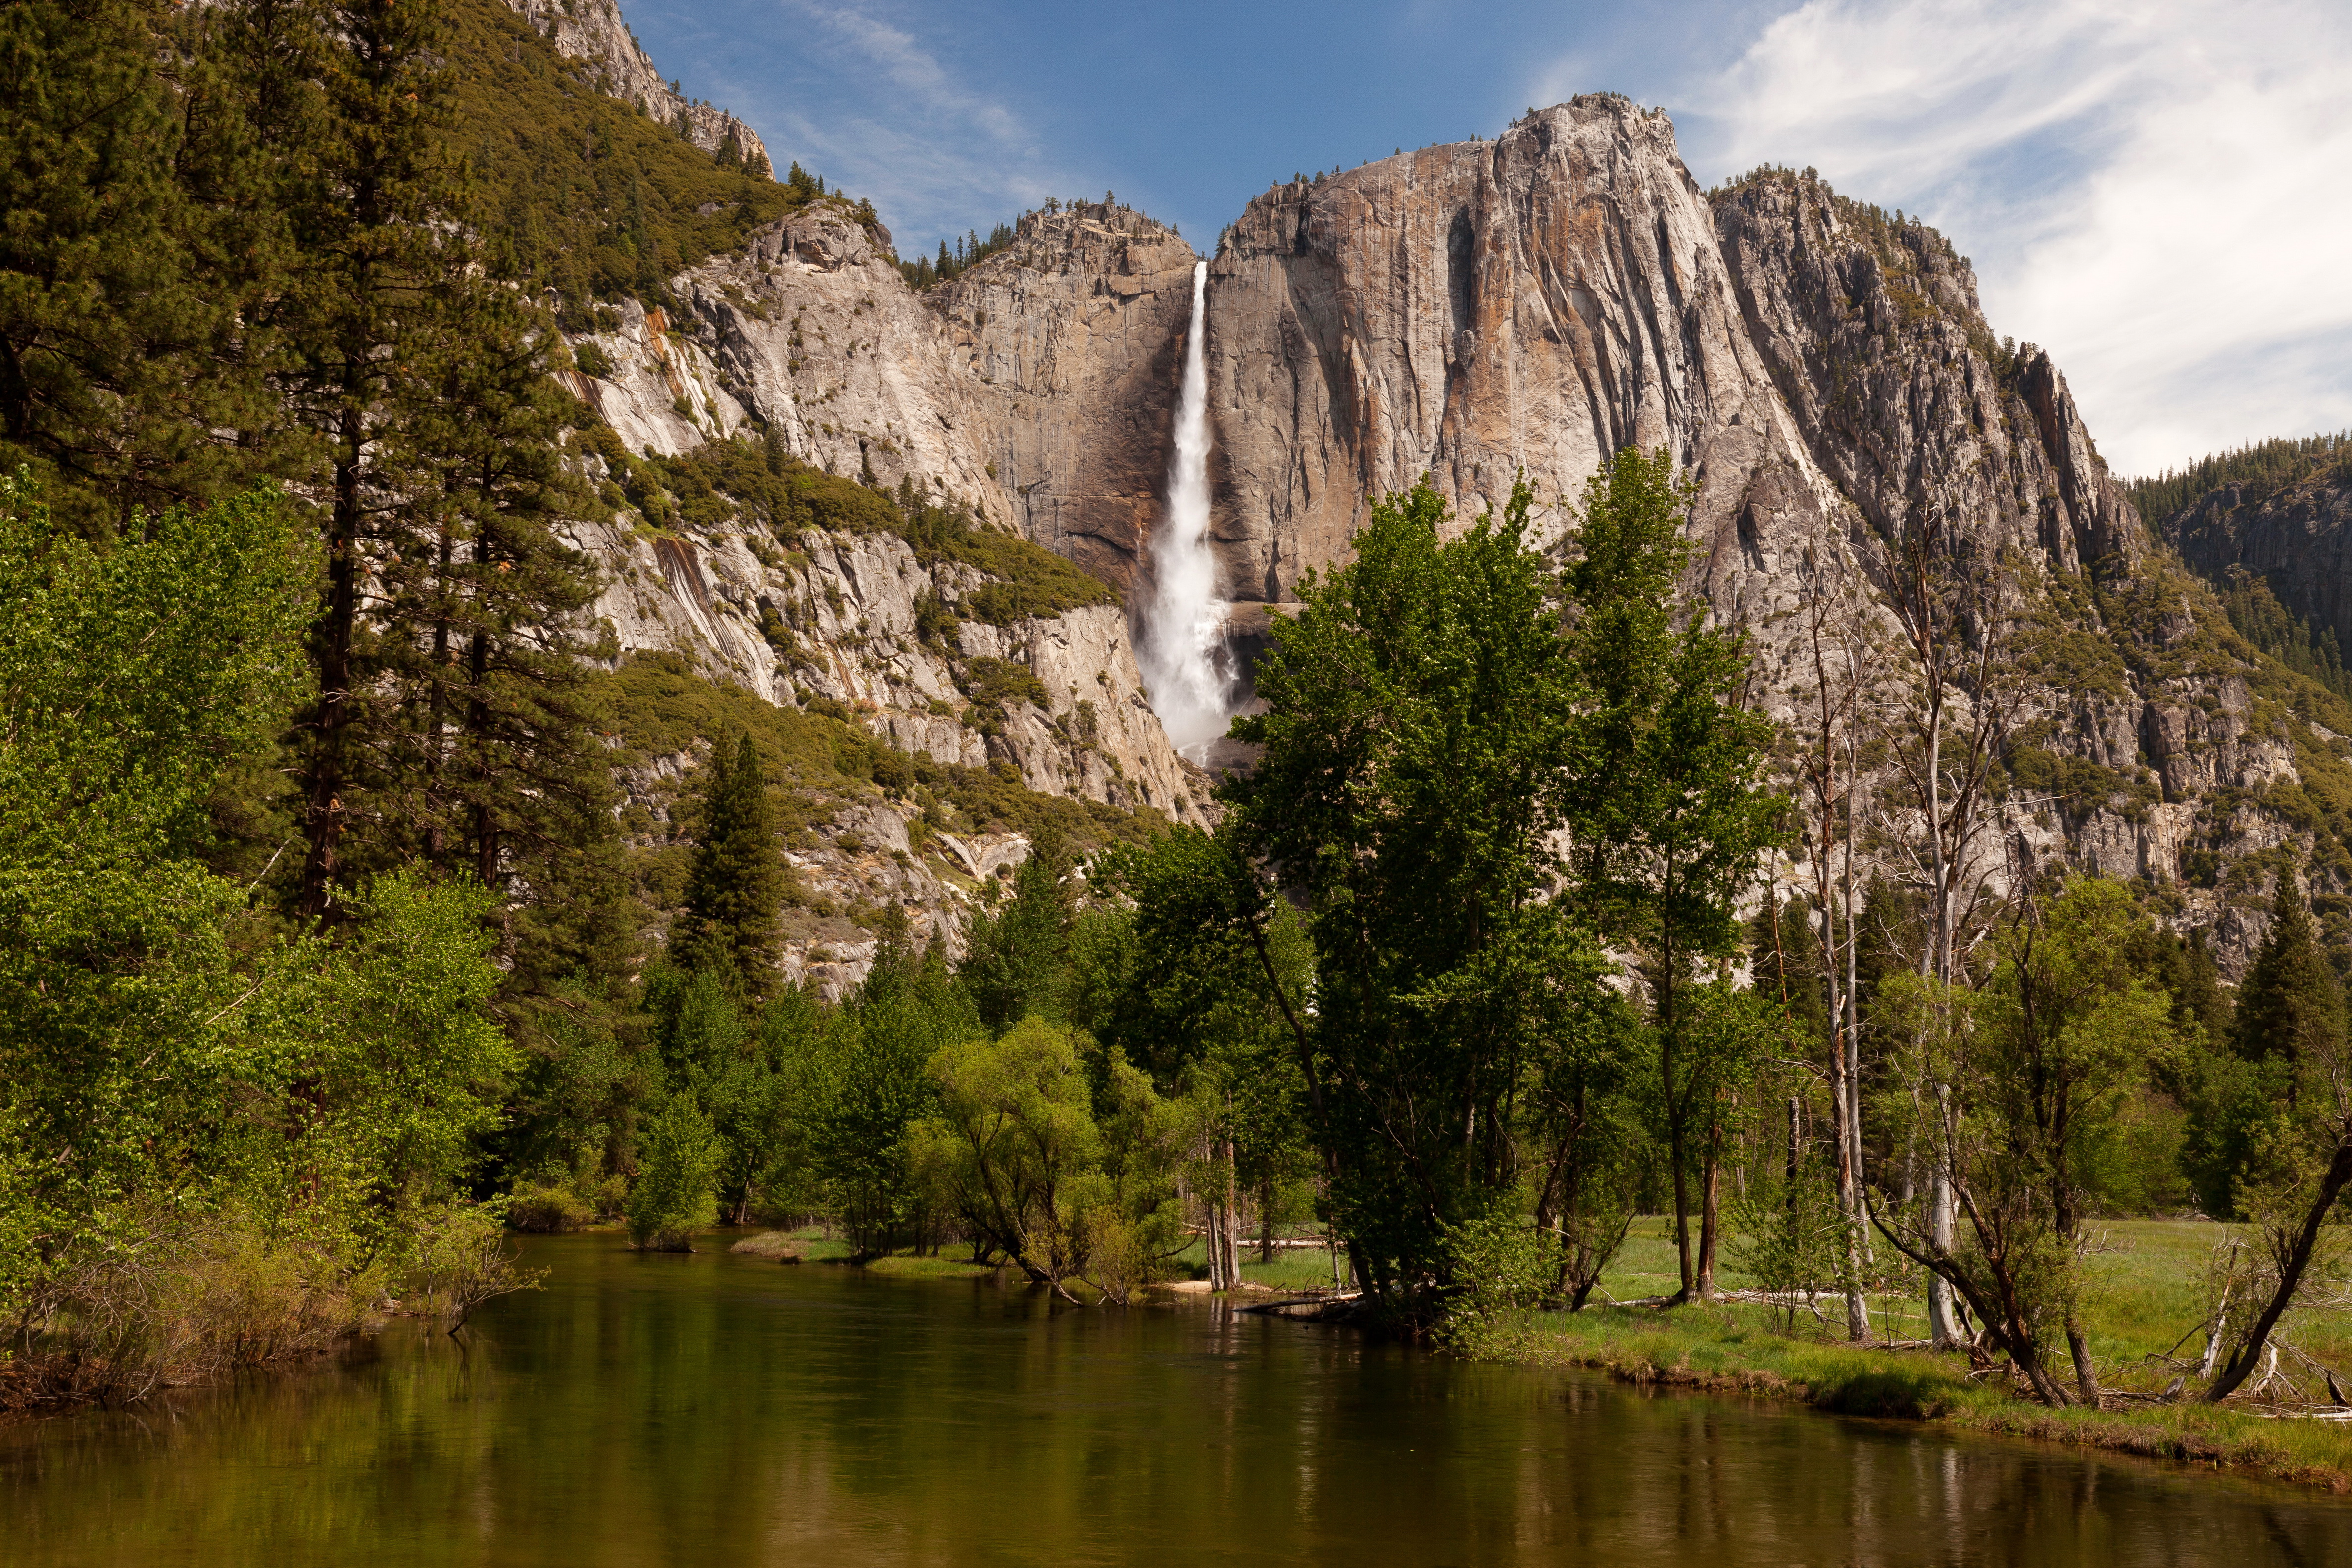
x=718 y=1410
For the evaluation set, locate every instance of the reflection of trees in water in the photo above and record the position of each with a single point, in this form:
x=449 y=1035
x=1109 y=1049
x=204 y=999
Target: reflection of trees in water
x=721 y=1409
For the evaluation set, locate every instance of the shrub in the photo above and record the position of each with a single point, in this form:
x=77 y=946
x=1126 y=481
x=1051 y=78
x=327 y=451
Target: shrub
x=549 y=1210
x=675 y=1194
x=462 y=1261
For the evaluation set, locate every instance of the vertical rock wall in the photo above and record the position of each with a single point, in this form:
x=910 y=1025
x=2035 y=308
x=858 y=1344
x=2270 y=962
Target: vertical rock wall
x=1070 y=343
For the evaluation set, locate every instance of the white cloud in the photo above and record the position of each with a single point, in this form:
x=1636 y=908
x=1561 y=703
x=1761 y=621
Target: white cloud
x=2155 y=193
x=925 y=146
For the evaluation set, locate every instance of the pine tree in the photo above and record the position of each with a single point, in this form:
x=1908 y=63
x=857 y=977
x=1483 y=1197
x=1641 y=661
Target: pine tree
x=124 y=380
x=734 y=885
x=2291 y=1007
x=349 y=98
x=1015 y=956
x=503 y=773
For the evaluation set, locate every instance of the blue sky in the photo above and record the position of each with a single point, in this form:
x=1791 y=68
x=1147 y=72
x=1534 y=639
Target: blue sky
x=2158 y=194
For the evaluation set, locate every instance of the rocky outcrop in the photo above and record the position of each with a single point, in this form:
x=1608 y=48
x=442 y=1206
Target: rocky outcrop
x=2298 y=540
x=1041 y=410
x=593 y=31
x=1468 y=312
x=1071 y=344
x=660 y=394
x=834 y=619
x=1871 y=332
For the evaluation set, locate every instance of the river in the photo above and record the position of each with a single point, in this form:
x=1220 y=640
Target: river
x=714 y=1410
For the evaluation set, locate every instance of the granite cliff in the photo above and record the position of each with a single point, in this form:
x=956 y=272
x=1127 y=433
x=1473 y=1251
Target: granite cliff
x=1474 y=311
x=2297 y=539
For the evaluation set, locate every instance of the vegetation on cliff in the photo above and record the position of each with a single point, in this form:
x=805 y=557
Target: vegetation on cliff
x=2262 y=468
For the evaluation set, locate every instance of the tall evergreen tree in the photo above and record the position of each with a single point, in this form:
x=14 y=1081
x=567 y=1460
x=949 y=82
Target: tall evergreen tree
x=1013 y=954
x=2291 y=1007
x=451 y=723
x=351 y=99
x=735 y=884
x=125 y=381
x=498 y=768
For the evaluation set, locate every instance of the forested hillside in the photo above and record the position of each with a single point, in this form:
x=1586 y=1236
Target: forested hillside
x=2268 y=526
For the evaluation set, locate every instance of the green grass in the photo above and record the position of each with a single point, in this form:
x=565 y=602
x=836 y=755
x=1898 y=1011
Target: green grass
x=2144 y=1295
x=810 y=1245
x=1294 y=1269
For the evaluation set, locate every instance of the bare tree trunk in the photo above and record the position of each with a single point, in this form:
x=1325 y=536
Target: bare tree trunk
x=323 y=810
x=1796 y=1143
x=2086 y=1376
x=2295 y=1256
x=1221 y=1277
x=1941 y=1329
x=1231 y=1230
x=1834 y=798
x=1710 y=1184
x=1857 y=1303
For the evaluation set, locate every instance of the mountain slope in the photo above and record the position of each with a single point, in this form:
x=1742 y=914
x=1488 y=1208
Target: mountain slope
x=1473 y=312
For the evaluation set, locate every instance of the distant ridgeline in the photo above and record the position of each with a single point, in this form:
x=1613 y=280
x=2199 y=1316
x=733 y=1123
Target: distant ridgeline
x=2260 y=470
x=2269 y=525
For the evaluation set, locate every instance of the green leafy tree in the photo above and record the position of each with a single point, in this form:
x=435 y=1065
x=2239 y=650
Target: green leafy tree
x=1588 y=1153
x=875 y=1085
x=1669 y=807
x=675 y=1194
x=1054 y=1155
x=1178 y=985
x=1418 y=736
x=2040 y=1059
x=174 y=1080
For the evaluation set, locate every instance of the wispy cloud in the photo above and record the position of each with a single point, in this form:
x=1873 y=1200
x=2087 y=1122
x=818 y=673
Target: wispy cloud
x=906 y=129
x=2152 y=192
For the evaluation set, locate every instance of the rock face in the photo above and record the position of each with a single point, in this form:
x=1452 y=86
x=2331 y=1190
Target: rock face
x=592 y=30
x=2299 y=540
x=1530 y=304
x=1537 y=302
x=1025 y=390
x=843 y=608
x=1074 y=339
x=1823 y=369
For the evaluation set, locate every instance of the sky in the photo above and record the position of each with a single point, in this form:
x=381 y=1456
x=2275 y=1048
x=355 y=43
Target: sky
x=2144 y=189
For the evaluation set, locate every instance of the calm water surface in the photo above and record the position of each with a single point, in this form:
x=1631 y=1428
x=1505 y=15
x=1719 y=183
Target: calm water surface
x=715 y=1410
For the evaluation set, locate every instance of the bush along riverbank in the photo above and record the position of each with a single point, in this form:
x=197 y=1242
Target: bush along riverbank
x=2145 y=1292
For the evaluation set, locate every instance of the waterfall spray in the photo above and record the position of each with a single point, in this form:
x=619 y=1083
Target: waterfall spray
x=1185 y=654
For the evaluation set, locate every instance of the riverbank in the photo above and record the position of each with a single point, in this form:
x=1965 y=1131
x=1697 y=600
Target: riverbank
x=2144 y=1300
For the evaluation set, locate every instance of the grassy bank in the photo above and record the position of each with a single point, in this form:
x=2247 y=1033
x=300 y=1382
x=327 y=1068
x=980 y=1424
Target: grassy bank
x=810 y=1245
x=2146 y=1298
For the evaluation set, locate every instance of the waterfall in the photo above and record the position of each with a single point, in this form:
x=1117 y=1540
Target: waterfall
x=1185 y=663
